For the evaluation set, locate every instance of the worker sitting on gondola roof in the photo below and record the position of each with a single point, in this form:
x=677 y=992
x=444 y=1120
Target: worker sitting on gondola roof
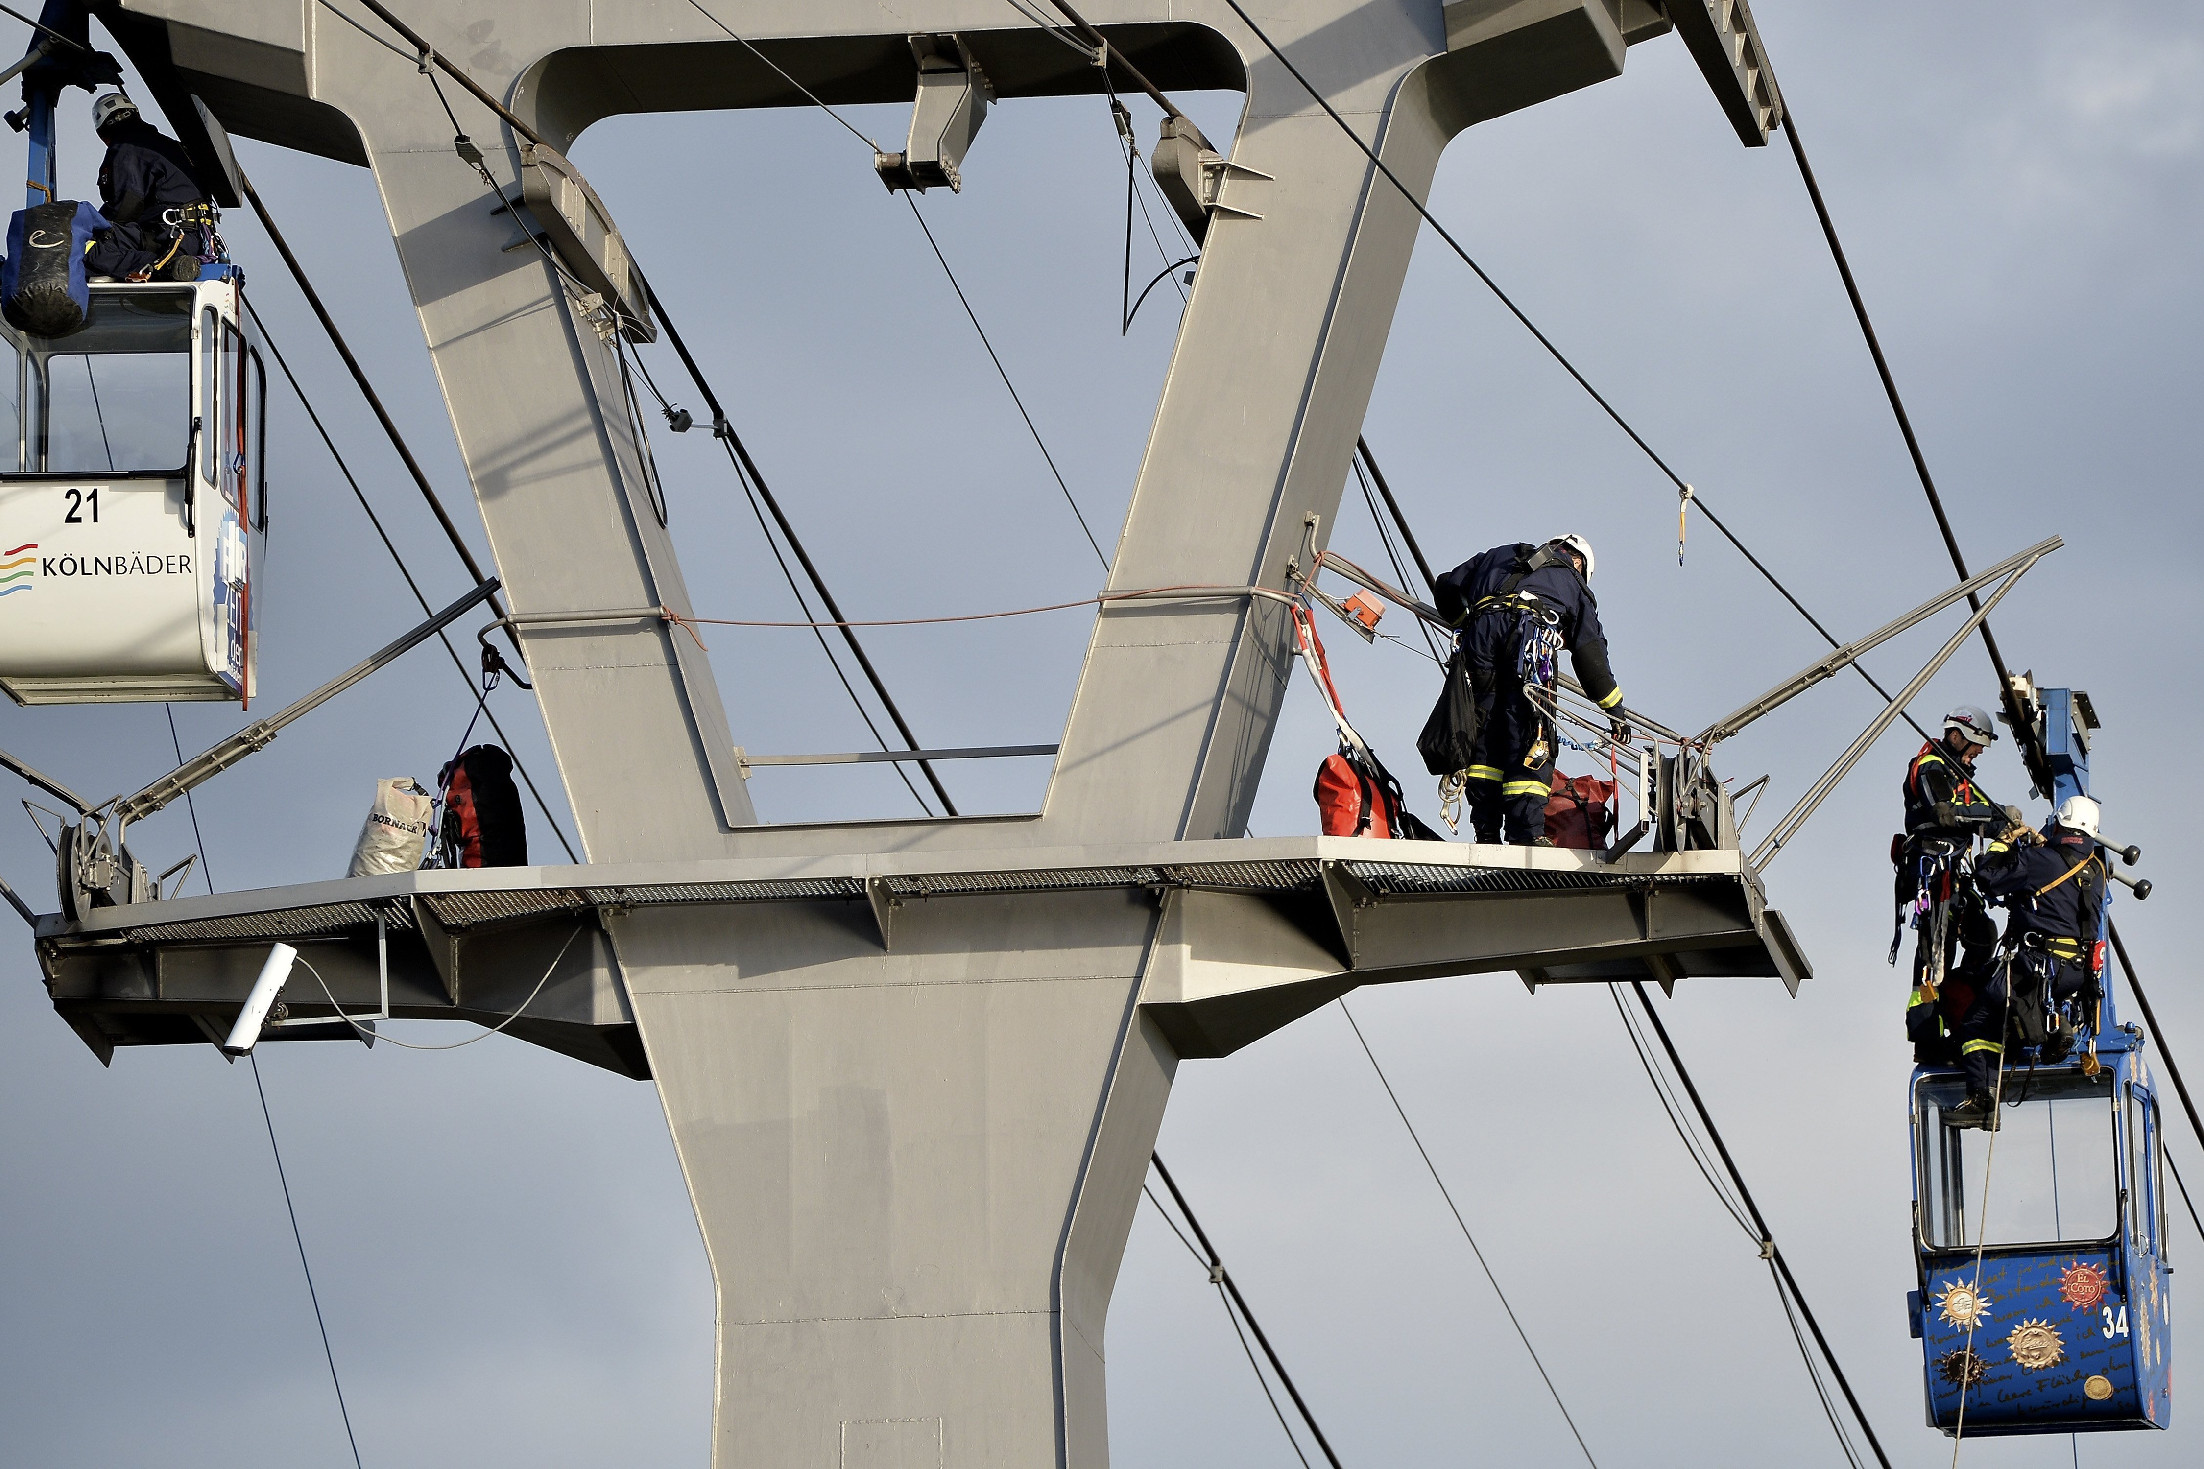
x=1518 y=606
x=2054 y=887
x=1945 y=815
x=160 y=216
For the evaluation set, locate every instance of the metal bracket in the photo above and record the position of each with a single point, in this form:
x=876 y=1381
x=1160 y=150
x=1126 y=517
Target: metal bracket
x=953 y=94
x=883 y=903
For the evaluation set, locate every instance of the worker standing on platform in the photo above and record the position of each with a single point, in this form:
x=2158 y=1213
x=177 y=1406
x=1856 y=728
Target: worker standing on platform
x=1518 y=607
x=2054 y=887
x=1945 y=815
x=151 y=197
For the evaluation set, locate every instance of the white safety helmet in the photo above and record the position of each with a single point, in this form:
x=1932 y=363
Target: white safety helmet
x=111 y=108
x=1579 y=545
x=1972 y=723
x=2079 y=813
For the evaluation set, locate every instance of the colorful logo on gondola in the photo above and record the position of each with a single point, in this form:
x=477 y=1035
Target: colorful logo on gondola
x=2083 y=1286
x=18 y=572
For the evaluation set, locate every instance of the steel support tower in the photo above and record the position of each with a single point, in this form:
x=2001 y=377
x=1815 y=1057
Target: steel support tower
x=913 y=1069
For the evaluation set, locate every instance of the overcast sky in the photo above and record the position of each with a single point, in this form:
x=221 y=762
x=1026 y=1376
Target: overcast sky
x=502 y=1240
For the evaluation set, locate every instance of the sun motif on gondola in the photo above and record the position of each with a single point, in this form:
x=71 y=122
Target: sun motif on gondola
x=1961 y=1305
x=2035 y=1345
x=2083 y=1286
x=1961 y=1368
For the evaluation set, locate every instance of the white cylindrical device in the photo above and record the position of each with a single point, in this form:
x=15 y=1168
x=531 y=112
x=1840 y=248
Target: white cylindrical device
x=246 y=1032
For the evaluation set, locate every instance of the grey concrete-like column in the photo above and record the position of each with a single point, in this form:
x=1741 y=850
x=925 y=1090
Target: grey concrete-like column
x=890 y=1156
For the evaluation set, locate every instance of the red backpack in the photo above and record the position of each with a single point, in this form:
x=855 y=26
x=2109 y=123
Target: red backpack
x=1349 y=803
x=483 y=825
x=1577 y=814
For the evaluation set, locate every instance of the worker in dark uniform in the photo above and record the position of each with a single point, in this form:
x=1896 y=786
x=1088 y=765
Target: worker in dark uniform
x=1518 y=606
x=2054 y=887
x=1945 y=815
x=151 y=197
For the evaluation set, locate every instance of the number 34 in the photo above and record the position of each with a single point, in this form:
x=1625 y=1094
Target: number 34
x=79 y=501
x=2115 y=1326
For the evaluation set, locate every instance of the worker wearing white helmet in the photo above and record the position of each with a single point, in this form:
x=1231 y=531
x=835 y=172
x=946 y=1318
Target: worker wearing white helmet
x=152 y=197
x=1519 y=606
x=2053 y=887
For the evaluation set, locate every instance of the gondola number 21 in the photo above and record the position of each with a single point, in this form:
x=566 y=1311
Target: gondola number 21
x=79 y=502
x=2115 y=1325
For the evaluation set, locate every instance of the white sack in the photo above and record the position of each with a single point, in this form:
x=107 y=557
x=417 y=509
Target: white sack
x=397 y=830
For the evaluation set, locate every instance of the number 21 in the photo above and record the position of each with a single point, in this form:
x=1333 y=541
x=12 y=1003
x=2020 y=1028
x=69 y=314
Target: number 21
x=81 y=500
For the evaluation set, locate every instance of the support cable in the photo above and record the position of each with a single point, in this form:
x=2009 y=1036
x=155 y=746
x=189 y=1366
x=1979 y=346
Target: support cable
x=1696 y=1148
x=2011 y=699
x=1463 y=1224
x=1369 y=461
x=206 y=868
x=367 y=391
x=739 y=454
x=1229 y=1315
x=480 y=695
x=299 y=1239
x=1760 y=1224
x=1223 y=1277
x=1004 y=373
x=2182 y=1184
x=2135 y=987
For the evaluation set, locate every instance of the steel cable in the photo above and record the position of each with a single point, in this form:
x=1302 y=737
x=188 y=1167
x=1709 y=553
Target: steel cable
x=1455 y=1209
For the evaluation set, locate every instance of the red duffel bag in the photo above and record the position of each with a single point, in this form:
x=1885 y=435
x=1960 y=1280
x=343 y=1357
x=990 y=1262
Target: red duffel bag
x=1578 y=814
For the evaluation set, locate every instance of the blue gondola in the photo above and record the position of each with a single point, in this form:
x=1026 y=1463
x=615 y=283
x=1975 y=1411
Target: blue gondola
x=2044 y=1298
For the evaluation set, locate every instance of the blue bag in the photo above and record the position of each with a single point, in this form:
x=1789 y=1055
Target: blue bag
x=42 y=285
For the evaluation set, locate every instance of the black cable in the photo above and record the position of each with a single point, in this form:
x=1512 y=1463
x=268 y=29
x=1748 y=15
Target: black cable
x=480 y=695
x=1223 y=1277
x=1392 y=556
x=1455 y=1209
x=2135 y=986
x=740 y=455
x=374 y=400
x=1229 y=1315
x=1004 y=374
x=2182 y=1184
x=300 y=1240
x=1362 y=450
x=1169 y=272
x=2006 y=692
x=1744 y=1194
x=206 y=868
x=1663 y=1094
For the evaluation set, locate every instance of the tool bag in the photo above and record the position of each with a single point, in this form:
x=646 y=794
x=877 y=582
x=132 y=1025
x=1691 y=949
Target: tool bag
x=1449 y=739
x=43 y=289
x=397 y=829
x=1356 y=796
x=1577 y=813
x=483 y=825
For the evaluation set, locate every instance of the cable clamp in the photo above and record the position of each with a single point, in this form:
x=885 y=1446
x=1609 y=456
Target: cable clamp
x=722 y=429
x=1767 y=1249
x=1216 y=1275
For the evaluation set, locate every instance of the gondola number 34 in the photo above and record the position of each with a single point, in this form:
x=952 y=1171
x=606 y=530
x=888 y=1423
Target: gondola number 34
x=2115 y=1325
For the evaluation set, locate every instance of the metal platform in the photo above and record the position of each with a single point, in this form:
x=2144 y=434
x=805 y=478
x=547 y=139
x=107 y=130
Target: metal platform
x=472 y=945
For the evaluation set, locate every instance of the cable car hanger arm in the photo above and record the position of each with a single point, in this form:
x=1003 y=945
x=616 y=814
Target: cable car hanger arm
x=257 y=735
x=1835 y=662
x=1819 y=791
x=46 y=783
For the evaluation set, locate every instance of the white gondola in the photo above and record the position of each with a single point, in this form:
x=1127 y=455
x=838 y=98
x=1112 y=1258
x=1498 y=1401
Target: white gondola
x=132 y=513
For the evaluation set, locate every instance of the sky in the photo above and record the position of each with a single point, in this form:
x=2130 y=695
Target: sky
x=501 y=1240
